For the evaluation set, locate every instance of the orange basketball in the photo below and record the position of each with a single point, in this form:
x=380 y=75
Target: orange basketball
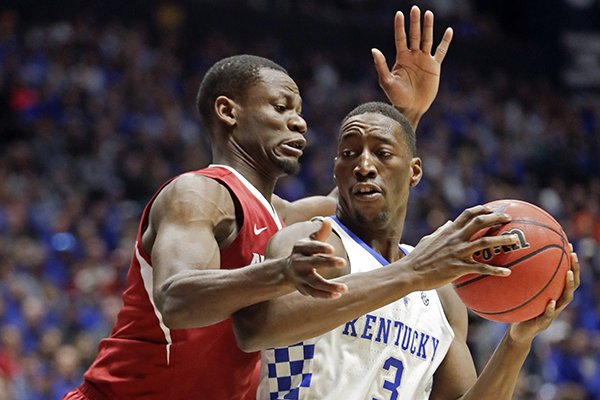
x=538 y=264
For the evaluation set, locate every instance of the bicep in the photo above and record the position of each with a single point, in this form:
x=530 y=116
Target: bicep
x=456 y=374
x=184 y=219
x=178 y=248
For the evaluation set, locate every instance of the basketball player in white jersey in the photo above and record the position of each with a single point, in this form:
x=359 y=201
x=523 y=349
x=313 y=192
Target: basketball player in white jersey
x=400 y=331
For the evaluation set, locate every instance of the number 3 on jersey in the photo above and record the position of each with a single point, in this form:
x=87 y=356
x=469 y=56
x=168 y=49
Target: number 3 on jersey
x=393 y=386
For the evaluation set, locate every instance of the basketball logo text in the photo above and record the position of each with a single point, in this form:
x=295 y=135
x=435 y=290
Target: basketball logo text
x=489 y=253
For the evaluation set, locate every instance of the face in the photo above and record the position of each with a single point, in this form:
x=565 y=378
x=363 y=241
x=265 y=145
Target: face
x=374 y=171
x=269 y=128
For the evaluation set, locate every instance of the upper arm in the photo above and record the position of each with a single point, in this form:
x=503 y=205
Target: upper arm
x=304 y=209
x=186 y=220
x=457 y=373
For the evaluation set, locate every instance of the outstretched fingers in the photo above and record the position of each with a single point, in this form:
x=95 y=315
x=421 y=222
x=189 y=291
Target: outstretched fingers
x=400 y=33
x=442 y=49
x=491 y=242
x=484 y=221
x=476 y=218
x=383 y=71
x=427 y=42
x=414 y=34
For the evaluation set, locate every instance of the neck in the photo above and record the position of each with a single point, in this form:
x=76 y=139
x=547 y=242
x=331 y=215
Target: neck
x=387 y=247
x=258 y=178
x=383 y=240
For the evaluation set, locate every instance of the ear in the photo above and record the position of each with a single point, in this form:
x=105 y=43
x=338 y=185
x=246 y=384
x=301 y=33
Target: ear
x=334 y=177
x=417 y=171
x=225 y=110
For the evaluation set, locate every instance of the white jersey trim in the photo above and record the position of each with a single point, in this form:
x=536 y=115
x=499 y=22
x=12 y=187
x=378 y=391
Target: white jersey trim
x=148 y=279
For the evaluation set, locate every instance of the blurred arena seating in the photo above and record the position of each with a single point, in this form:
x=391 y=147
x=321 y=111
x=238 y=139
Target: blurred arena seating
x=97 y=109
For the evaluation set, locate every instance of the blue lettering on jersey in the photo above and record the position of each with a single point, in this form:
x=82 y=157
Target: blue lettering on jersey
x=386 y=331
x=367 y=330
x=350 y=325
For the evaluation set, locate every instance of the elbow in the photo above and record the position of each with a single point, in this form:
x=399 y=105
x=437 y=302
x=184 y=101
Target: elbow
x=247 y=344
x=174 y=313
x=248 y=335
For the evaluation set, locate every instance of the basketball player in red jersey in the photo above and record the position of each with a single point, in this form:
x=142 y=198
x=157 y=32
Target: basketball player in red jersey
x=173 y=337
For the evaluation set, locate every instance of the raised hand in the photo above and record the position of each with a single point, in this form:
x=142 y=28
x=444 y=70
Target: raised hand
x=447 y=253
x=412 y=83
x=310 y=255
x=524 y=332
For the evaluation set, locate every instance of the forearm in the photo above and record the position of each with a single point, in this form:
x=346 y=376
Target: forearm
x=413 y=116
x=197 y=298
x=499 y=377
x=294 y=317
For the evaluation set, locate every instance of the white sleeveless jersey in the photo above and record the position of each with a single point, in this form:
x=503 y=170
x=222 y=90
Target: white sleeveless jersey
x=389 y=353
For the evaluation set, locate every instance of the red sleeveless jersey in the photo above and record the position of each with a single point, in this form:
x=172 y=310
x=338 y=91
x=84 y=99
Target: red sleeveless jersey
x=144 y=359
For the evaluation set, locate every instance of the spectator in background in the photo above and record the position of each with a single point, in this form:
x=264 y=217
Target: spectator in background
x=551 y=134
x=201 y=228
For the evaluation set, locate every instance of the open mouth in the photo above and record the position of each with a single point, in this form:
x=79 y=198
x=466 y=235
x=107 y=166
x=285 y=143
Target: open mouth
x=367 y=191
x=293 y=147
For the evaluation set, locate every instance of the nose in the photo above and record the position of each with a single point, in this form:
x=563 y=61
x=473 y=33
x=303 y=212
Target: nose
x=365 y=168
x=297 y=124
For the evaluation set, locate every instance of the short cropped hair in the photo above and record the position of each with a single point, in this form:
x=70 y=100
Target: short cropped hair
x=390 y=112
x=231 y=77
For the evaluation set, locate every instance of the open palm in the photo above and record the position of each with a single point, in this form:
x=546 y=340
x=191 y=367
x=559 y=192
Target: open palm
x=412 y=83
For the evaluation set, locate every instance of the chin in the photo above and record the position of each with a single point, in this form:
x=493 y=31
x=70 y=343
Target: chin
x=289 y=167
x=379 y=219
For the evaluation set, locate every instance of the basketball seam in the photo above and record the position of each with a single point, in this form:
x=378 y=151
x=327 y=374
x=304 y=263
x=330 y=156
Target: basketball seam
x=532 y=298
x=529 y=222
x=509 y=265
x=563 y=253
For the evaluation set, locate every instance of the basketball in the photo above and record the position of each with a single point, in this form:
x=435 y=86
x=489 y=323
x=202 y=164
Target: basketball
x=538 y=263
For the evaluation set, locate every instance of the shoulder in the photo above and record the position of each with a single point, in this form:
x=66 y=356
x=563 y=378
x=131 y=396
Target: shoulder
x=192 y=194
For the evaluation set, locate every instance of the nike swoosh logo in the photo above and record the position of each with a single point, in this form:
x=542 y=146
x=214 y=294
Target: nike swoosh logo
x=258 y=231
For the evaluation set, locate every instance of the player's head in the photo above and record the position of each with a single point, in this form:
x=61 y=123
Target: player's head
x=390 y=112
x=375 y=165
x=231 y=77
x=250 y=104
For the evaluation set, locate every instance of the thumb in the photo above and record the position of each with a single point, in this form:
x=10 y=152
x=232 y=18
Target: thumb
x=380 y=63
x=323 y=232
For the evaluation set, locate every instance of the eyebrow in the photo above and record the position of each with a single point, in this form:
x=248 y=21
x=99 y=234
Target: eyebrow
x=355 y=133
x=289 y=96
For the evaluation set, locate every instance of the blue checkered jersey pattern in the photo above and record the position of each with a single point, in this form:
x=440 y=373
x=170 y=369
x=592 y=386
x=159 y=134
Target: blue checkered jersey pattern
x=289 y=370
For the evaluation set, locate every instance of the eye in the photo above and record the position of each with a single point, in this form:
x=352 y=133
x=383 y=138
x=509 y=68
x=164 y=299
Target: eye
x=384 y=154
x=346 y=153
x=280 y=108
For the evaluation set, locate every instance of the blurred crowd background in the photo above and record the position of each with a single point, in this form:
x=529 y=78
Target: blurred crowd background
x=97 y=109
